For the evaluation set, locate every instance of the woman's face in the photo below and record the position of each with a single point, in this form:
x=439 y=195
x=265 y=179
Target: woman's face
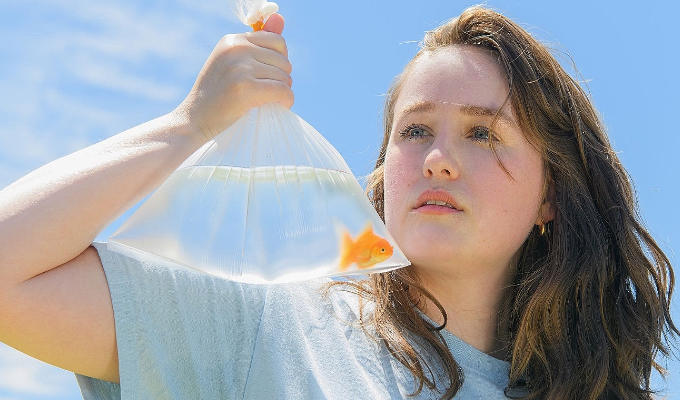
x=439 y=143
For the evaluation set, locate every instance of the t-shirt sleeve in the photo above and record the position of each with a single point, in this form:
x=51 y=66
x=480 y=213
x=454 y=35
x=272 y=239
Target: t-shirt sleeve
x=180 y=333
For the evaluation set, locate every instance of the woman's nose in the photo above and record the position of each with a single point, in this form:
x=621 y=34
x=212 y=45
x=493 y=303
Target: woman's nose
x=439 y=164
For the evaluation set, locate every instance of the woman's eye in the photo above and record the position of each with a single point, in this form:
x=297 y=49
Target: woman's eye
x=482 y=134
x=414 y=132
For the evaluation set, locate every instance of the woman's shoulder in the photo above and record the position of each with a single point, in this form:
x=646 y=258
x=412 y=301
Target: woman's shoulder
x=323 y=294
x=126 y=266
x=150 y=292
x=320 y=305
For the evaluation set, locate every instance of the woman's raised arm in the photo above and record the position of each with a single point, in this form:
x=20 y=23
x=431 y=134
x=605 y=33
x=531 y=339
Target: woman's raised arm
x=51 y=283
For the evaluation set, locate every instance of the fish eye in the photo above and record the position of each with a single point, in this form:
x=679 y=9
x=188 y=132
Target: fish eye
x=382 y=250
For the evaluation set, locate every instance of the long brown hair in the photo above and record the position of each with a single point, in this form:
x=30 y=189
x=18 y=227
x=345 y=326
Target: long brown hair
x=588 y=310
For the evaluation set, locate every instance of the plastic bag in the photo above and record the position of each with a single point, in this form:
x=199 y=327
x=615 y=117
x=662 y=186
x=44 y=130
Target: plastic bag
x=268 y=200
x=253 y=12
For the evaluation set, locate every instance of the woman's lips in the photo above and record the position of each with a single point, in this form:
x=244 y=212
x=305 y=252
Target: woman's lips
x=433 y=209
x=437 y=202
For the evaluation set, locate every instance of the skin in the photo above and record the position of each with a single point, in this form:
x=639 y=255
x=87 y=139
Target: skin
x=464 y=259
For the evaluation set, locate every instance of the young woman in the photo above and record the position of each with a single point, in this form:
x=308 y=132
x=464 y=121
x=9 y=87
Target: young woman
x=531 y=274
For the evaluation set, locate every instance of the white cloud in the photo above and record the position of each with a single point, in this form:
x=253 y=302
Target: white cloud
x=74 y=106
x=219 y=8
x=10 y=173
x=78 y=68
x=127 y=32
x=25 y=144
x=19 y=105
x=21 y=374
x=116 y=43
x=112 y=77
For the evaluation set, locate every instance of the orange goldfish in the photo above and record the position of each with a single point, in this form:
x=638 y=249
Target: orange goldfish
x=368 y=249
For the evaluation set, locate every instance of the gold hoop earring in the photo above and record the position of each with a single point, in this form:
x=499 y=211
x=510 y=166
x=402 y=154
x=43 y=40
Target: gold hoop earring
x=542 y=229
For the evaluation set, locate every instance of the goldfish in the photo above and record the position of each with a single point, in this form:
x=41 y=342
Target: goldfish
x=368 y=249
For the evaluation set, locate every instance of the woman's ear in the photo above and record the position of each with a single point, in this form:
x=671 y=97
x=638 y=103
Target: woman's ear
x=547 y=211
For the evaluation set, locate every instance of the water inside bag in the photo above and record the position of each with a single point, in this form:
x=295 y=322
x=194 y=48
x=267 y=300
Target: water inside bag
x=258 y=225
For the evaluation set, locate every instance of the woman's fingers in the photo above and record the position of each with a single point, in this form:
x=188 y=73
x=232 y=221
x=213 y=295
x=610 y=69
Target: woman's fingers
x=268 y=40
x=266 y=71
x=273 y=58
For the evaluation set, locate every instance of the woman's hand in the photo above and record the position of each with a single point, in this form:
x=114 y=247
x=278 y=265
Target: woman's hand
x=243 y=71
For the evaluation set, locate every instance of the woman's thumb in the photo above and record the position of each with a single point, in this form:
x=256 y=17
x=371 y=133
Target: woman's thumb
x=274 y=24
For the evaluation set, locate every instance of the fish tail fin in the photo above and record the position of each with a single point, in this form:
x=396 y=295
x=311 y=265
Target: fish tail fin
x=345 y=251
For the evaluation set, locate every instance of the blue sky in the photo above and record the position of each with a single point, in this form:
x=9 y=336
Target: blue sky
x=74 y=72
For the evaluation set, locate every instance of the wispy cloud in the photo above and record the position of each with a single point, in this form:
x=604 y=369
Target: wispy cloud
x=113 y=77
x=127 y=32
x=76 y=69
x=23 y=375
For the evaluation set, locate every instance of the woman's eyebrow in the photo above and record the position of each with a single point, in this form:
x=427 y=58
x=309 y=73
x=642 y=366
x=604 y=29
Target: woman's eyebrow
x=419 y=107
x=487 y=112
x=468 y=109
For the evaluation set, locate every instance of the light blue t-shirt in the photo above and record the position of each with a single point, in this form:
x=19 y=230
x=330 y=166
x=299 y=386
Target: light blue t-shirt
x=182 y=334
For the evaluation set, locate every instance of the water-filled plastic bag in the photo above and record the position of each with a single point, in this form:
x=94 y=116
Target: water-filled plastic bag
x=267 y=200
